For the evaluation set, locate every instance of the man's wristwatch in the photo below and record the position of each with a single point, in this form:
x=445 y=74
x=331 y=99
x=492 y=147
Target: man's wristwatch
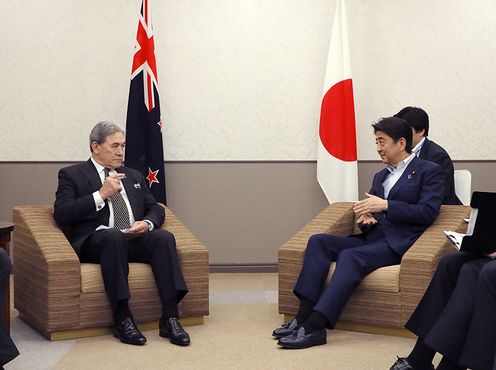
x=150 y=225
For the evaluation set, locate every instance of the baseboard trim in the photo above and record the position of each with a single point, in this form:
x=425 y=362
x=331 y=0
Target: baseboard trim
x=371 y=329
x=95 y=332
x=243 y=267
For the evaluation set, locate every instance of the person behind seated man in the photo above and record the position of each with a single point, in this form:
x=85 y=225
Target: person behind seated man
x=110 y=217
x=8 y=350
x=429 y=150
x=404 y=200
x=456 y=316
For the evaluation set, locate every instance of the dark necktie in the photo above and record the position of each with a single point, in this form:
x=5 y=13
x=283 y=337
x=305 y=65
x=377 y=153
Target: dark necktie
x=121 y=213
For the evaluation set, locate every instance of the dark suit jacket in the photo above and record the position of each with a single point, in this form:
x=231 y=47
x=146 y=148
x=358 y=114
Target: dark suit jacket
x=413 y=202
x=75 y=209
x=433 y=152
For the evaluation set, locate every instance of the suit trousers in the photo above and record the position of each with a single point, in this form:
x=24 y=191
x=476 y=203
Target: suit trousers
x=457 y=314
x=355 y=257
x=113 y=251
x=8 y=350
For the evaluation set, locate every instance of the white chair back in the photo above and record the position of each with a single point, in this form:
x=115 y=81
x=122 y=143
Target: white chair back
x=463 y=186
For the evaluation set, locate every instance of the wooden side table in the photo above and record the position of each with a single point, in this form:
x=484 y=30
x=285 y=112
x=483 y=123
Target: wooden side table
x=5 y=230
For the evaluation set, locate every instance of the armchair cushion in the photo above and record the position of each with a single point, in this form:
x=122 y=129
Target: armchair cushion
x=385 y=279
x=140 y=277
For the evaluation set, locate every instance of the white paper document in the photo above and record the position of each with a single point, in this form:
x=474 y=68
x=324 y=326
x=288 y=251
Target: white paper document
x=455 y=238
x=105 y=227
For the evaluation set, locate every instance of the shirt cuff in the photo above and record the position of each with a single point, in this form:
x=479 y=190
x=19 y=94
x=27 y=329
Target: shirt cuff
x=99 y=202
x=151 y=226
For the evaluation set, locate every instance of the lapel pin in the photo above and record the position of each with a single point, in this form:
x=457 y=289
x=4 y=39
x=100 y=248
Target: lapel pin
x=137 y=186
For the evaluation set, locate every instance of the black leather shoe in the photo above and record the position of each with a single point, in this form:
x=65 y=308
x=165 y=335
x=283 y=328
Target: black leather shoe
x=128 y=333
x=301 y=340
x=403 y=364
x=286 y=329
x=173 y=330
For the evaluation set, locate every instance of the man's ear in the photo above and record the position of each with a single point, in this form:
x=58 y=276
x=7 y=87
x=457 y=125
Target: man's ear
x=94 y=147
x=420 y=132
x=402 y=142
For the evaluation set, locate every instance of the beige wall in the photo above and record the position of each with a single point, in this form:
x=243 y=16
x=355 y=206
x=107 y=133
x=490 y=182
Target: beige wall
x=242 y=80
x=242 y=211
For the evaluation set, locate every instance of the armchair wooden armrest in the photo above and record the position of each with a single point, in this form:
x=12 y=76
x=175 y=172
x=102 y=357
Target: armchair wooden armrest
x=193 y=256
x=48 y=281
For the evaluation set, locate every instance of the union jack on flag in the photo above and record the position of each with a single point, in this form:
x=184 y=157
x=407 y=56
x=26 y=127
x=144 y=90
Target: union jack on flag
x=144 y=144
x=144 y=57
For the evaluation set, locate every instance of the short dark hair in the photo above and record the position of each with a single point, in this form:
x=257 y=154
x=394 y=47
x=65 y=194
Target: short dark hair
x=396 y=128
x=416 y=117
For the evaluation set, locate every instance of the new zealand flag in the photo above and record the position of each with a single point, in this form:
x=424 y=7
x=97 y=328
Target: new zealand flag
x=144 y=146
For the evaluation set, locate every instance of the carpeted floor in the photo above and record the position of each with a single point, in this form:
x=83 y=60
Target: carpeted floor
x=236 y=335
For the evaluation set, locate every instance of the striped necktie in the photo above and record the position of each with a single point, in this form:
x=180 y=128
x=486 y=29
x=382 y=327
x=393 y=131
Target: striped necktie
x=121 y=213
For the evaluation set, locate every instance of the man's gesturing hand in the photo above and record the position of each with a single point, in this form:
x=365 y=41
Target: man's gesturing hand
x=111 y=185
x=366 y=219
x=370 y=204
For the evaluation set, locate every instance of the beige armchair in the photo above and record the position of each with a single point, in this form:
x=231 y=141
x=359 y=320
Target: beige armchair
x=385 y=299
x=63 y=298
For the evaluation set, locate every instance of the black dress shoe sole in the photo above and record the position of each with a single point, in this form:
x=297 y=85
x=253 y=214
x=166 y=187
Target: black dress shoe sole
x=291 y=346
x=164 y=334
x=306 y=344
x=123 y=340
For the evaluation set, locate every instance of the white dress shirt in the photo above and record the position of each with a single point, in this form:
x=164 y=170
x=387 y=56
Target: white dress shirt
x=417 y=148
x=395 y=173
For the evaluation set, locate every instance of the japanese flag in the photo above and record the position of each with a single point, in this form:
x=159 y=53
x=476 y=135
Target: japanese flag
x=337 y=150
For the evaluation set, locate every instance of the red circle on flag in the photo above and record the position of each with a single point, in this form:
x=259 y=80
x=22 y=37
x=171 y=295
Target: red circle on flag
x=337 y=122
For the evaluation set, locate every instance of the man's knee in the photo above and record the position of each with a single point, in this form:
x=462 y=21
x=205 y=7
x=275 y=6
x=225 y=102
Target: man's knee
x=109 y=235
x=451 y=263
x=315 y=239
x=314 y=245
x=487 y=276
x=112 y=240
x=162 y=237
x=469 y=272
x=318 y=240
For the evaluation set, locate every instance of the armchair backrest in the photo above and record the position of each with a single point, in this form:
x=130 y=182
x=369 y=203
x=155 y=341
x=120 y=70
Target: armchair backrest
x=463 y=186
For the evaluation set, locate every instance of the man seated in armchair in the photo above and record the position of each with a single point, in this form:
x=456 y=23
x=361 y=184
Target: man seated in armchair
x=110 y=217
x=456 y=316
x=404 y=200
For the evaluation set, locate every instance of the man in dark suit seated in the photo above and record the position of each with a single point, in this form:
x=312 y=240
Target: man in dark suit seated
x=8 y=350
x=110 y=217
x=429 y=150
x=404 y=200
x=456 y=316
